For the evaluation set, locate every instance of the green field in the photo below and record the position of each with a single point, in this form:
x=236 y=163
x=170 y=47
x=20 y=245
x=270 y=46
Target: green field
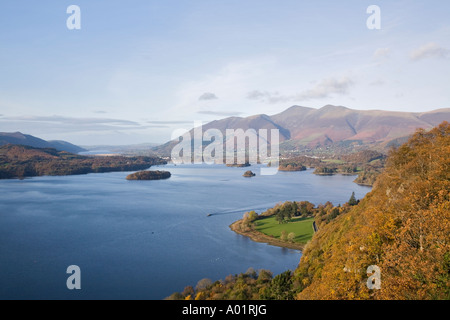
x=302 y=227
x=333 y=161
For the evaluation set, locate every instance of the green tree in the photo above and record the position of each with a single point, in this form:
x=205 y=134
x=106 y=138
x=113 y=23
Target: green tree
x=252 y=216
x=295 y=209
x=333 y=214
x=352 y=201
x=264 y=276
x=291 y=236
x=281 y=286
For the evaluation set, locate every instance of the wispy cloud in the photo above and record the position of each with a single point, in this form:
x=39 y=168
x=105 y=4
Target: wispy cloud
x=381 y=53
x=328 y=87
x=73 y=121
x=267 y=96
x=257 y=95
x=429 y=50
x=220 y=113
x=208 y=96
x=63 y=125
x=324 y=89
x=156 y=122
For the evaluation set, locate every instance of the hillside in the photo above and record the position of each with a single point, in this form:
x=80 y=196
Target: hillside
x=28 y=140
x=402 y=226
x=18 y=161
x=335 y=127
x=332 y=124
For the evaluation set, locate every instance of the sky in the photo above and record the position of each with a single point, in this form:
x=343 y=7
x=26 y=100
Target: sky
x=138 y=70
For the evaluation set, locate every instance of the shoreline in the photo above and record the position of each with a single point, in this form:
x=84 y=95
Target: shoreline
x=260 y=237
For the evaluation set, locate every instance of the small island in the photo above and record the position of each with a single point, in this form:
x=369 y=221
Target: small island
x=149 y=175
x=248 y=174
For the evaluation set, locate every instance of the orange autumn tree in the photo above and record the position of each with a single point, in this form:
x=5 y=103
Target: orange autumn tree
x=402 y=226
x=416 y=260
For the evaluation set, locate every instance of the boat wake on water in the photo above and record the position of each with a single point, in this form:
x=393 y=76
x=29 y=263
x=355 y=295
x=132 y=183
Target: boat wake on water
x=257 y=208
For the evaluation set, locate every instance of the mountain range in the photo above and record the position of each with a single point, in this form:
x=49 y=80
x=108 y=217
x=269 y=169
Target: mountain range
x=19 y=138
x=309 y=128
x=300 y=128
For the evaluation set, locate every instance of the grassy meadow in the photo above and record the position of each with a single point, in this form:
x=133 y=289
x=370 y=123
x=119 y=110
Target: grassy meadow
x=302 y=227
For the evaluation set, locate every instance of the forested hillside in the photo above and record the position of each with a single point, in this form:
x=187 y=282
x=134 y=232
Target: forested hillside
x=402 y=226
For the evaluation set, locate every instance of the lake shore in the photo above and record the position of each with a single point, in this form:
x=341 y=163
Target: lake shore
x=263 y=238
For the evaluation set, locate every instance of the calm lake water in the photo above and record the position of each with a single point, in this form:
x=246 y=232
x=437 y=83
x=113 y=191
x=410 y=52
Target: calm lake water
x=143 y=239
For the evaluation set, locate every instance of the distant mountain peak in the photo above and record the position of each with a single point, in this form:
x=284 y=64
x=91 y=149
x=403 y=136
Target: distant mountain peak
x=330 y=107
x=18 y=138
x=311 y=128
x=17 y=134
x=297 y=107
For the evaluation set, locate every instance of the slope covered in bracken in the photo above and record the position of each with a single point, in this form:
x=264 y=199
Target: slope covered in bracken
x=402 y=226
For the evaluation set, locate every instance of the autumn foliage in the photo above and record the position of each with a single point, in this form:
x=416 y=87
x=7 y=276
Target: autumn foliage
x=402 y=226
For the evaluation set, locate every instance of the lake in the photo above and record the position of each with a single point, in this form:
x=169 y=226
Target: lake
x=144 y=239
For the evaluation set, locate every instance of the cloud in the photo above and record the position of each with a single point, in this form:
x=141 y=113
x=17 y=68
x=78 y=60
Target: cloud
x=220 y=113
x=73 y=121
x=257 y=95
x=61 y=124
x=270 y=97
x=100 y=112
x=208 y=96
x=430 y=50
x=324 y=89
x=168 y=122
x=382 y=53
